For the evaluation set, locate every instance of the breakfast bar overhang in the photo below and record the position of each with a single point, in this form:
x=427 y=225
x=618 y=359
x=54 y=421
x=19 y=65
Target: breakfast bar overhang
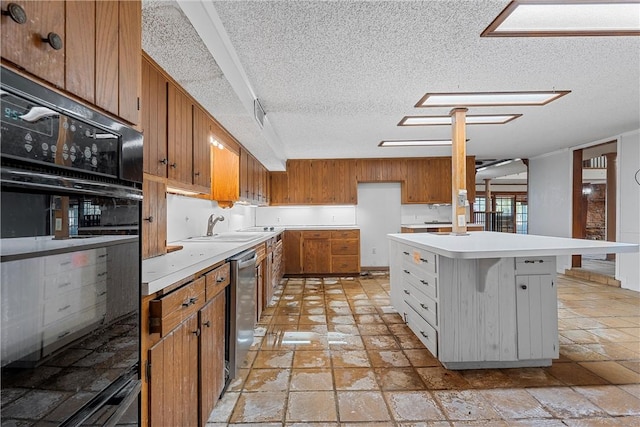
x=484 y=299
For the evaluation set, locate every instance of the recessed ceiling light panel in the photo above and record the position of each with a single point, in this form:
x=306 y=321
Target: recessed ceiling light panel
x=487 y=99
x=556 y=18
x=415 y=143
x=483 y=119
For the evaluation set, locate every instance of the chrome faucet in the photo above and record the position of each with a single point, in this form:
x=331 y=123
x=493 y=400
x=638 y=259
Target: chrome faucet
x=212 y=222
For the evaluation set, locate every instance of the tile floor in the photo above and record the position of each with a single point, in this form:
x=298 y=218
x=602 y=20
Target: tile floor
x=333 y=352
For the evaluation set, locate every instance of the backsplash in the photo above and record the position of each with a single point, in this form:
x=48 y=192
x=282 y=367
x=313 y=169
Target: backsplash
x=418 y=214
x=306 y=215
x=187 y=217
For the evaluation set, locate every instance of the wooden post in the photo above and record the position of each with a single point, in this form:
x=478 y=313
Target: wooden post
x=458 y=170
x=611 y=201
x=487 y=205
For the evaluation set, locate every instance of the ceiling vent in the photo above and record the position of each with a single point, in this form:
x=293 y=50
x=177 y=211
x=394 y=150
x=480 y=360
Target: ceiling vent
x=258 y=112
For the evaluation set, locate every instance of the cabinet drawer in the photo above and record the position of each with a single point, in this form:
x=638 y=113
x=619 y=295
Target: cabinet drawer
x=420 y=258
x=345 y=264
x=345 y=234
x=344 y=247
x=423 y=305
x=536 y=265
x=316 y=234
x=423 y=330
x=170 y=310
x=261 y=252
x=424 y=281
x=216 y=280
x=63 y=262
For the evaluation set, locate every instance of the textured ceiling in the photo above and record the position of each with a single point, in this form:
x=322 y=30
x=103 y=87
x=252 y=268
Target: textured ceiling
x=335 y=77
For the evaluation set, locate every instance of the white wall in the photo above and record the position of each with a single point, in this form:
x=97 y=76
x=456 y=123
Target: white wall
x=549 y=198
x=418 y=214
x=628 y=209
x=187 y=217
x=304 y=216
x=378 y=214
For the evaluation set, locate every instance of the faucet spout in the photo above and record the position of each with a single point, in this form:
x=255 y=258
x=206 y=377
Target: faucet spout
x=212 y=222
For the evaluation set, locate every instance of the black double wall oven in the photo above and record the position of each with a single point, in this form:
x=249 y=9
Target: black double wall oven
x=70 y=212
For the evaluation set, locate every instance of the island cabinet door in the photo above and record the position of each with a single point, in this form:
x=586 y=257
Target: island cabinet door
x=537 y=317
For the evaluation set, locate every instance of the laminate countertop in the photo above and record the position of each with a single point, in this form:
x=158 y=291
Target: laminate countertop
x=489 y=244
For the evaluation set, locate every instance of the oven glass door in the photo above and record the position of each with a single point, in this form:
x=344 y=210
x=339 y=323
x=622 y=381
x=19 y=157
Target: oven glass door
x=70 y=298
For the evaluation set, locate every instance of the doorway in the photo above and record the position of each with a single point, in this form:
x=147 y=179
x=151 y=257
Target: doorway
x=378 y=213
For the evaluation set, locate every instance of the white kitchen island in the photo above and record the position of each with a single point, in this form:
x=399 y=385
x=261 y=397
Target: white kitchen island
x=485 y=299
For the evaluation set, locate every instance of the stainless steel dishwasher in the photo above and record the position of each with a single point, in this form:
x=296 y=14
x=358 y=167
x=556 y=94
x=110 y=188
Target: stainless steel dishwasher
x=241 y=308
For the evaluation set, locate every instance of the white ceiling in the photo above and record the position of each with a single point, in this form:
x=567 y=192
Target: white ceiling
x=335 y=77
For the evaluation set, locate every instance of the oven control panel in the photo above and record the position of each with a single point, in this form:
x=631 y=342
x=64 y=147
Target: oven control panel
x=40 y=134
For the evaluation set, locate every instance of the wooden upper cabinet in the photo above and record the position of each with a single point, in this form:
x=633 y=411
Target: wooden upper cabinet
x=154 y=219
x=154 y=119
x=107 y=42
x=202 y=135
x=180 y=135
x=129 y=50
x=80 y=75
x=299 y=181
x=244 y=175
x=279 y=184
x=22 y=44
x=344 y=181
x=225 y=167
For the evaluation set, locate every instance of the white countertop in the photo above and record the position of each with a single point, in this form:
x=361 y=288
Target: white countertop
x=321 y=227
x=435 y=225
x=489 y=244
x=31 y=247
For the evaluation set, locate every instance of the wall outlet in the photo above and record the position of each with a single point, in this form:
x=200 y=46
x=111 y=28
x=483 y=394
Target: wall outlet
x=373 y=251
x=278 y=219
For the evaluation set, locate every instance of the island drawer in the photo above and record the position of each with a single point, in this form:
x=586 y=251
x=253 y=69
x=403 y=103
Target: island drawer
x=170 y=310
x=424 y=306
x=216 y=280
x=423 y=330
x=424 y=282
x=536 y=265
x=420 y=258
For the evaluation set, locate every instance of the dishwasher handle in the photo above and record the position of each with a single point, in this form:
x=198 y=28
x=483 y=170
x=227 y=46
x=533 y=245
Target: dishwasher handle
x=245 y=259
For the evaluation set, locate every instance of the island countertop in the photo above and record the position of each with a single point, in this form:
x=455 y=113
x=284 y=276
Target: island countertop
x=489 y=244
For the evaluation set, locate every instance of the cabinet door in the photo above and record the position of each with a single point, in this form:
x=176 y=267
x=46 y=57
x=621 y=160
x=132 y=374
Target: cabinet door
x=437 y=176
x=212 y=345
x=107 y=42
x=299 y=181
x=154 y=119
x=345 y=184
x=537 y=321
x=244 y=174
x=80 y=61
x=316 y=256
x=173 y=384
x=180 y=135
x=225 y=172
x=292 y=254
x=129 y=50
x=154 y=219
x=201 y=149
x=415 y=186
x=27 y=49
x=279 y=194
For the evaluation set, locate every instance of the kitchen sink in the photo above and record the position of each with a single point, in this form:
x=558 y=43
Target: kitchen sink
x=227 y=237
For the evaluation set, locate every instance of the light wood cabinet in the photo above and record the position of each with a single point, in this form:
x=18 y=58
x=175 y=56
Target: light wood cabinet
x=299 y=181
x=316 y=253
x=180 y=135
x=202 y=135
x=97 y=49
x=322 y=251
x=253 y=186
x=154 y=218
x=225 y=167
x=279 y=188
x=292 y=253
x=154 y=119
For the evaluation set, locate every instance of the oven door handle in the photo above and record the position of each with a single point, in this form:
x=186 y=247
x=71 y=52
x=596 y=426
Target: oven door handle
x=55 y=183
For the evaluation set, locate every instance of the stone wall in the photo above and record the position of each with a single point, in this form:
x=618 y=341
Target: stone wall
x=596 y=212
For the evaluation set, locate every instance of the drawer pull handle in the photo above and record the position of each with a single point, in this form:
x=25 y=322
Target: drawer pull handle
x=189 y=302
x=102 y=274
x=406 y=253
x=207 y=324
x=149 y=218
x=424 y=306
x=64 y=334
x=196 y=332
x=424 y=335
x=407 y=292
x=533 y=261
x=65 y=263
x=406 y=271
x=102 y=293
x=64 y=308
x=62 y=285
x=164 y=161
x=174 y=165
x=424 y=260
x=221 y=279
x=102 y=256
x=523 y=286
x=424 y=282
x=16 y=12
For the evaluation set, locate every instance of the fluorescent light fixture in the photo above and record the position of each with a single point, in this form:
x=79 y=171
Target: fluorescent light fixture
x=496 y=164
x=557 y=18
x=415 y=142
x=482 y=119
x=487 y=99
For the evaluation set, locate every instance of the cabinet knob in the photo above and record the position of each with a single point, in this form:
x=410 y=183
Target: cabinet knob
x=424 y=306
x=174 y=165
x=164 y=161
x=407 y=292
x=54 y=40
x=423 y=334
x=16 y=12
x=207 y=324
x=406 y=271
x=424 y=282
x=523 y=286
x=221 y=279
x=406 y=253
x=150 y=219
x=196 y=174
x=196 y=332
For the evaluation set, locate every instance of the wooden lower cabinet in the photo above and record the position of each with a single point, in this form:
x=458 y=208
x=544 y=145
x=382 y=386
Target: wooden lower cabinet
x=322 y=251
x=212 y=343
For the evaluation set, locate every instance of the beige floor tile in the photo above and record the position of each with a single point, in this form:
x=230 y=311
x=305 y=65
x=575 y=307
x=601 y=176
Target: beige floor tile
x=267 y=380
x=531 y=377
x=311 y=406
x=615 y=335
x=362 y=319
x=392 y=319
x=514 y=403
x=633 y=346
x=399 y=379
x=596 y=422
x=222 y=411
x=613 y=351
x=613 y=372
x=615 y=322
x=540 y=422
x=303 y=424
x=388 y=358
x=374 y=329
x=481 y=423
x=564 y=402
x=273 y=359
x=634 y=365
x=380 y=342
x=580 y=353
x=413 y=406
x=355 y=379
x=423 y=424
x=465 y=405
x=611 y=399
x=342 y=342
x=362 y=406
x=410 y=342
x=439 y=378
x=311 y=359
x=367 y=309
x=259 y=407
x=350 y=359
x=632 y=389
x=341 y=319
x=486 y=378
x=237 y=383
x=421 y=358
x=311 y=379
x=573 y=374
x=581 y=336
x=343 y=329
